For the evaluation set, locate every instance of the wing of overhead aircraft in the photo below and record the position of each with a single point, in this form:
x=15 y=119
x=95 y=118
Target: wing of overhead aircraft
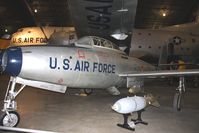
x=104 y=18
x=190 y=28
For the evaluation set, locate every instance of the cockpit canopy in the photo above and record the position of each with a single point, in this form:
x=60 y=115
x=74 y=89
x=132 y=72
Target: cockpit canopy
x=95 y=41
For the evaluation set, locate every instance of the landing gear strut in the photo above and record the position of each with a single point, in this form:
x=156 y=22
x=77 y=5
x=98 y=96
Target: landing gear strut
x=177 y=101
x=10 y=117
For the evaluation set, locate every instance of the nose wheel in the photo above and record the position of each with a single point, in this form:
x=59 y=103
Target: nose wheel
x=10 y=119
x=177 y=101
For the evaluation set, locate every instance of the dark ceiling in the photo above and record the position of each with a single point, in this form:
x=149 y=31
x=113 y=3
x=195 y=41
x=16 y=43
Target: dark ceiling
x=15 y=14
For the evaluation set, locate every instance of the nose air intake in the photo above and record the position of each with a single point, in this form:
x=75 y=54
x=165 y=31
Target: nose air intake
x=11 y=61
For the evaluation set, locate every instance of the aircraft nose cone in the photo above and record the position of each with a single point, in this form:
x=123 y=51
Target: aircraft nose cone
x=11 y=61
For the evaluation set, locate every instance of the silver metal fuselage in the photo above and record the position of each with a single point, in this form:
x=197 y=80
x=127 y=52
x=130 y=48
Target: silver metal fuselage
x=78 y=67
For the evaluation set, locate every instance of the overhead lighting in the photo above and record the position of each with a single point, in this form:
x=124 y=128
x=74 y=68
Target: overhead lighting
x=35 y=10
x=164 y=14
x=123 y=10
x=120 y=36
x=6 y=30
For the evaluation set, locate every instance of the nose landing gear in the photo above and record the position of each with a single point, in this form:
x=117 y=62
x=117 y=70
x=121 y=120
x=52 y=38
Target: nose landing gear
x=10 y=117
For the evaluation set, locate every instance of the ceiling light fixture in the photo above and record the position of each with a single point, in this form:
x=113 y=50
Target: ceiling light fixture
x=119 y=36
x=35 y=10
x=164 y=14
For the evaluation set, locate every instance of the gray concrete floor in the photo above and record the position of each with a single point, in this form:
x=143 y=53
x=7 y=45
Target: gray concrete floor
x=44 y=110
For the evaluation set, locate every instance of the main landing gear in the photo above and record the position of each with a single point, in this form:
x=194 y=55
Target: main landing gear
x=177 y=101
x=10 y=117
x=88 y=91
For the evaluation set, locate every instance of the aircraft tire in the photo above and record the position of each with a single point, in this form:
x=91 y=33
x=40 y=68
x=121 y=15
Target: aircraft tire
x=177 y=102
x=5 y=121
x=88 y=91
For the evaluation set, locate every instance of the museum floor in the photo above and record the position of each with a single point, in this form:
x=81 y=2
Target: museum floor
x=71 y=113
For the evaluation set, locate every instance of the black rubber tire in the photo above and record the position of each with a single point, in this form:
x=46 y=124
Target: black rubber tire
x=88 y=91
x=4 y=115
x=177 y=102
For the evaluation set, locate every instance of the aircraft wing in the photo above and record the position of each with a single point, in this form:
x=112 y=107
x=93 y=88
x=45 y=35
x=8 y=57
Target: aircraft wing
x=161 y=73
x=103 y=17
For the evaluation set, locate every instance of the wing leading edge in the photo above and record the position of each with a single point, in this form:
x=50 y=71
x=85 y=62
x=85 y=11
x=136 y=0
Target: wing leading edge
x=160 y=73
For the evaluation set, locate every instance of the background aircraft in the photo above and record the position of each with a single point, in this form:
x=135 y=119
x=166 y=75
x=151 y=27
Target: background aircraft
x=114 y=20
x=41 y=35
x=158 y=45
x=147 y=44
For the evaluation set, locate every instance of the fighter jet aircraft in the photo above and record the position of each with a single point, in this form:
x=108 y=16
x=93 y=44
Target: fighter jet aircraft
x=91 y=62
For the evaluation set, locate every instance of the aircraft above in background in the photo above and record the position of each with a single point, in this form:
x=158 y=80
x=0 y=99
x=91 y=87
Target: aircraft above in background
x=114 y=21
x=89 y=63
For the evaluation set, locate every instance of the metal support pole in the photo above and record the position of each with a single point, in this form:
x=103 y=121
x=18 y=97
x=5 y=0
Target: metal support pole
x=2 y=128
